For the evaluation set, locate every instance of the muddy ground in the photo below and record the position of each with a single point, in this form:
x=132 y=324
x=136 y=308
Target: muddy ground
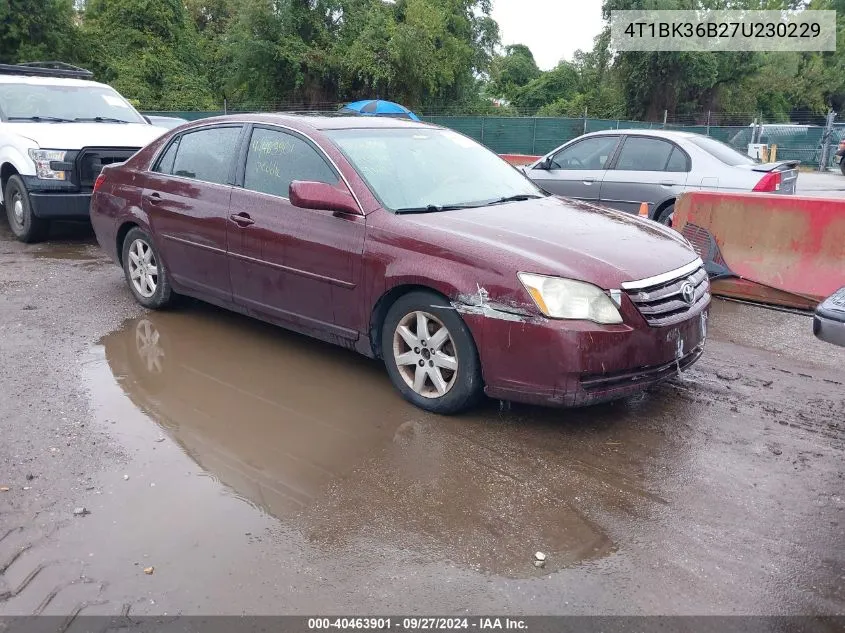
x=256 y=471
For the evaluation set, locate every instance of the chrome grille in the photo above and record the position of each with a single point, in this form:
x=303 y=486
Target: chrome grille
x=664 y=303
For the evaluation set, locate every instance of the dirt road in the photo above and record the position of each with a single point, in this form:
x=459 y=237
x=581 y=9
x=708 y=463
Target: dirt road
x=249 y=470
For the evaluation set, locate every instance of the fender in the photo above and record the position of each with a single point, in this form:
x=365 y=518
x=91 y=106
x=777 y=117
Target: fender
x=11 y=155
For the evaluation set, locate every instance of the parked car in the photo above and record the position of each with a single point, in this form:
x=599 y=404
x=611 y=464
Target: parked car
x=840 y=156
x=165 y=122
x=624 y=168
x=57 y=130
x=408 y=242
x=829 y=320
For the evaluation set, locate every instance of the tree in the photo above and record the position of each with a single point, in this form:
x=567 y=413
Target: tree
x=148 y=50
x=37 y=30
x=515 y=69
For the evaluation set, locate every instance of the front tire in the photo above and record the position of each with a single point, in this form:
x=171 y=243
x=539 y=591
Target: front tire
x=430 y=355
x=24 y=224
x=145 y=271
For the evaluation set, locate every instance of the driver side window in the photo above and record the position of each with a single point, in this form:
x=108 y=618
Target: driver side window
x=591 y=153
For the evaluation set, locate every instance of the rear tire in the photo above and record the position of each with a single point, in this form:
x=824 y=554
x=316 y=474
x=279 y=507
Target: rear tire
x=24 y=224
x=145 y=271
x=436 y=369
x=667 y=215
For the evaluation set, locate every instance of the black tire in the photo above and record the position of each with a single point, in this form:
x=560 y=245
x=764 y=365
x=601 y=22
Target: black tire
x=464 y=387
x=24 y=224
x=842 y=166
x=162 y=294
x=666 y=215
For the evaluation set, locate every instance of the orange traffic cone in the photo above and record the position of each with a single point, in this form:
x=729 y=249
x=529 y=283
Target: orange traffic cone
x=643 y=210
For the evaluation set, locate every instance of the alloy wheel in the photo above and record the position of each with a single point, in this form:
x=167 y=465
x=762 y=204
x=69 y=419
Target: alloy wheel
x=425 y=354
x=143 y=268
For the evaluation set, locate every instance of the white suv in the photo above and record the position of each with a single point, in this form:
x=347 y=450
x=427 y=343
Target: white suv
x=57 y=130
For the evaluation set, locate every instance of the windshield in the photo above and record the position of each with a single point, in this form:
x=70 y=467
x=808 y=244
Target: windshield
x=722 y=152
x=24 y=101
x=423 y=168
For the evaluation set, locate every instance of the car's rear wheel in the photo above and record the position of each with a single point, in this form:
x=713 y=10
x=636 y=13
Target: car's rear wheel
x=145 y=272
x=430 y=354
x=667 y=215
x=23 y=222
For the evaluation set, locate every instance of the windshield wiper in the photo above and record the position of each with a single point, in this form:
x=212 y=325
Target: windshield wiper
x=434 y=208
x=98 y=119
x=38 y=119
x=522 y=197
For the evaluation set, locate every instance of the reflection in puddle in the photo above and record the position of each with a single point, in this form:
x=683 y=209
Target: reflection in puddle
x=316 y=436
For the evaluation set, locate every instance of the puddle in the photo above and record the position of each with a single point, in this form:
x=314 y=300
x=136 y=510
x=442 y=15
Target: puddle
x=76 y=252
x=316 y=437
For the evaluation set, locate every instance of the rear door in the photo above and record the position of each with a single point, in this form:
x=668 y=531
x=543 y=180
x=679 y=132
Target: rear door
x=187 y=203
x=577 y=170
x=646 y=169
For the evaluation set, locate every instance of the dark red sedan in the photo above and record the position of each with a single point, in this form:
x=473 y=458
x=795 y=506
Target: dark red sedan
x=411 y=243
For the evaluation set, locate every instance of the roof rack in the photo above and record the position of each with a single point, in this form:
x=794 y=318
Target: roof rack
x=46 y=69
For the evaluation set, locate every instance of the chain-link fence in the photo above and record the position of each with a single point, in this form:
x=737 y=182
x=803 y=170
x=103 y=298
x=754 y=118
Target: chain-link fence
x=538 y=135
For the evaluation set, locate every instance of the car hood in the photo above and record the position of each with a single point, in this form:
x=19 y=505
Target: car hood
x=577 y=240
x=73 y=136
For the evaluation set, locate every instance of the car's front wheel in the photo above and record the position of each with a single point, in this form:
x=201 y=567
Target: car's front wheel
x=430 y=354
x=23 y=222
x=145 y=271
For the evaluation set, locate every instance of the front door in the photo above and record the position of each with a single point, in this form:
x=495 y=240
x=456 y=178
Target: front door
x=187 y=202
x=577 y=170
x=298 y=265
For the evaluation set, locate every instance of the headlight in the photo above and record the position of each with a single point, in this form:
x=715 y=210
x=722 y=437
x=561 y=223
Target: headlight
x=42 y=159
x=560 y=298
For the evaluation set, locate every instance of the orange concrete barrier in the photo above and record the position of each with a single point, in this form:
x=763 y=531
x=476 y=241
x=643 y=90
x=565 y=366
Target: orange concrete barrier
x=520 y=159
x=780 y=249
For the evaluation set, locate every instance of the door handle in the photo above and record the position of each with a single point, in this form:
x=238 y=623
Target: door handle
x=153 y=198
x=241 y=219
x=589 y=181
x=667 y=183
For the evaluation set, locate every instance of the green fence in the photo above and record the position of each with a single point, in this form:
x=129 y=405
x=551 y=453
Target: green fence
x=539 y=135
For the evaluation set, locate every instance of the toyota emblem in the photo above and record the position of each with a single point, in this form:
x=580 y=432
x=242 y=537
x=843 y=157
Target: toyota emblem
x=688 y=293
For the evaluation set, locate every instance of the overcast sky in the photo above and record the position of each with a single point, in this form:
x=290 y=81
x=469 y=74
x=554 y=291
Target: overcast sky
x=552 y=29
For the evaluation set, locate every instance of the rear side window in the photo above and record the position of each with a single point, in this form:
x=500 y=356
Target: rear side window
x=275 y=159
x=677 y=161
x=644 y=154
x=205 y=155
x=165 y=163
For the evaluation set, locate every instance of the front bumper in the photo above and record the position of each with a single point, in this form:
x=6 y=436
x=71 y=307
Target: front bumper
x=829 y=330
x=577 y=363
x=57 y=200
x=60 y=206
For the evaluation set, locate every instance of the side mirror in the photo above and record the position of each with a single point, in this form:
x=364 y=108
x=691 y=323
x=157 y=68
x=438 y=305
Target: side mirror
x=147 y=119
x=544 y=164
x=306 y=194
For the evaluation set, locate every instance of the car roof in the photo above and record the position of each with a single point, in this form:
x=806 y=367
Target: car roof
x=48 y=81
x=668 y=134
x=322 y=121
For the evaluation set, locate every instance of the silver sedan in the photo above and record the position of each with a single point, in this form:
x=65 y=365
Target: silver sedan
x=624 y=168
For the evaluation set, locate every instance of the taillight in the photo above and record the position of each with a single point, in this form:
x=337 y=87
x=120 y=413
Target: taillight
x=99 y=182
x=769 y=182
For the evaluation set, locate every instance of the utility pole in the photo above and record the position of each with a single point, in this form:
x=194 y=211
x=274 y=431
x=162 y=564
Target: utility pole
x=665 y=116
x=585 y=120
x=828 y=132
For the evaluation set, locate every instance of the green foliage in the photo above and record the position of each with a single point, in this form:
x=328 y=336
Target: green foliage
x=431 y=55
x=37 y=30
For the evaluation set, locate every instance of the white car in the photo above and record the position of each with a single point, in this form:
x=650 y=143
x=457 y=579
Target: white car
x=57 y=130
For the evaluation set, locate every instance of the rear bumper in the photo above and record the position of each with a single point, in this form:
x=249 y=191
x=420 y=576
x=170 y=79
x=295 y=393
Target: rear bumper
x=60 y=206
x=575 y=363
x=829 y=330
